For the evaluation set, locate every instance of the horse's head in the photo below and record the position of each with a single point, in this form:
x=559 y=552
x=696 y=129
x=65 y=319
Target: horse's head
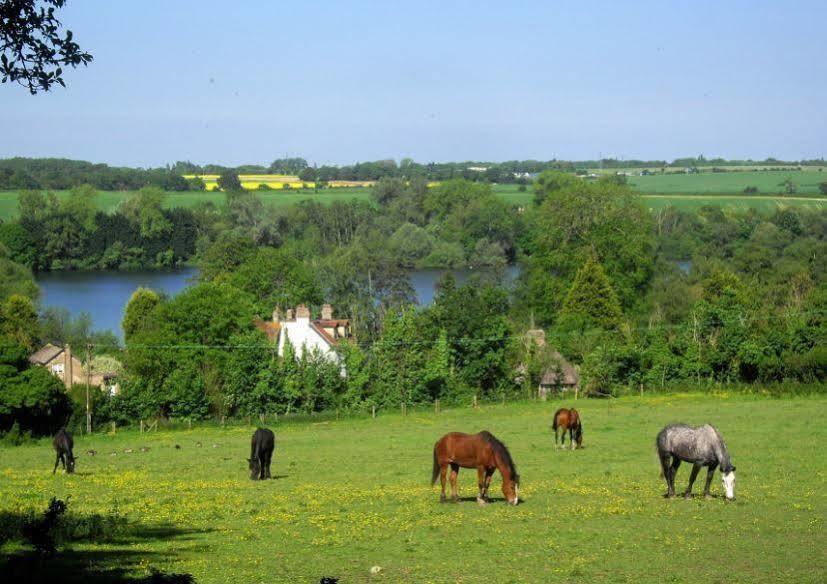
x=254 y=468
x=728 y=480
x=511 y=490
x=70 y=463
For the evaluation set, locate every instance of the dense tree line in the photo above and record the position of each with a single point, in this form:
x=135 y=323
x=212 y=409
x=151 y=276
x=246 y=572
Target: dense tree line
x=600 y=274
x=70 y=233
x=633 y=298
x=32 y=400
x=60 y=174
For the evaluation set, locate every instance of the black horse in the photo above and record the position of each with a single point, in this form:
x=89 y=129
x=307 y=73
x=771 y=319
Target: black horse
x=63 y=444
x=261 y=452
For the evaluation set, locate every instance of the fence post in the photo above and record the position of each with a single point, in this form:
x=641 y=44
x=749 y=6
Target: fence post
x=372 y=411
x=261 y=417
x=222 y=419
x=113 y=427
x=641 y=389
x=436 y=406
x=189 y=423
x=475 y=401
x=142 y=426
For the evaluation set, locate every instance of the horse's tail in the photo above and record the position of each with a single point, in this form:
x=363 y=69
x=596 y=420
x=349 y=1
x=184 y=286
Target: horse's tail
x=435 y=471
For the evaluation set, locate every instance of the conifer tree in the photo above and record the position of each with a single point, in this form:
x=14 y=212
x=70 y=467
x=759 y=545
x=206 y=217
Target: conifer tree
x=591 y=300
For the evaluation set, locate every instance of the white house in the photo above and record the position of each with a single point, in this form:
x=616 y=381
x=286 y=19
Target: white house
x=305 y=334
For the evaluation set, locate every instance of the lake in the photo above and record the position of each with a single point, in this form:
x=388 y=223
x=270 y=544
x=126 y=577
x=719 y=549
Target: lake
x=105 y=294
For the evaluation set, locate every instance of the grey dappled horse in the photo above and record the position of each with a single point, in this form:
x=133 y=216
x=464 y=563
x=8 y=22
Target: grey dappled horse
x=701 y=446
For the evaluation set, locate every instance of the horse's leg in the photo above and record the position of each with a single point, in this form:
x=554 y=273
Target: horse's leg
x=555 y=437
x=488 y=474
x=57 y=461
x=443 y=471
x=709 y=480
x=692 y=476
x=673 y=470
x=571 y=437
x=481 y=484
x=665 y=470
x=268 y=457
x=454 y=473
x=563 y=438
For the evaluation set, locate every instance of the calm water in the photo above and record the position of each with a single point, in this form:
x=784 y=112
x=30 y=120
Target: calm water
x=105 y=294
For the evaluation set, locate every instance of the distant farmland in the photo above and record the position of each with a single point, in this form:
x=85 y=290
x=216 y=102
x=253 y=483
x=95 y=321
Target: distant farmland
x=726 y=183
x=685 y=191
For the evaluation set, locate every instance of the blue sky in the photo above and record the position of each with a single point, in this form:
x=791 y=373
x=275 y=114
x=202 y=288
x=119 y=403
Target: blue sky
x=339 y=82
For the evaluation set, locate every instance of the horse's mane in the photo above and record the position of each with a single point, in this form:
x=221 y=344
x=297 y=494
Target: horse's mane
x=500 y=449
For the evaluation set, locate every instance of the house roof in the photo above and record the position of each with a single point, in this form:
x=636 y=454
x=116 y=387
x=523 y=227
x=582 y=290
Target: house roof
x=269 y=328
x=563 y=374
x=331 y=322
x=45 y=354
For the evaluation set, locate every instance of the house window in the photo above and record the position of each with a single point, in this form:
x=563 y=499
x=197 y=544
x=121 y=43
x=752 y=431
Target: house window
x=57 y=369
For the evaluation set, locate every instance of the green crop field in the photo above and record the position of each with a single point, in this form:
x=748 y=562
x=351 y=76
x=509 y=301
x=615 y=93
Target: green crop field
x=108 y=201
x=349 y=495
x=767 y=182
x=762 y=203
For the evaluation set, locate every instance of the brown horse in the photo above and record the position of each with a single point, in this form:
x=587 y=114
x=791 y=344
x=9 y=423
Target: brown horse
x=481 y=451
x=568 y=420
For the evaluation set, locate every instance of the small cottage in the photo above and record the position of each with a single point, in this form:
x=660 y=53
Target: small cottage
x=70 y=370
x=61 y=362
x=561 y=376
x=320 y=335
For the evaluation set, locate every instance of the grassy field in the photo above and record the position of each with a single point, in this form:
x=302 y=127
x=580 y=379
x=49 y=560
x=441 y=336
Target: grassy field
x=690 y=202
x=764 y=203
x=109 y=200
x=731 y=183
x=653 y=198
x=353 y=494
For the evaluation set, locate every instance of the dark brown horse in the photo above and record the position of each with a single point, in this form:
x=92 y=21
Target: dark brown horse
x=63 y=444
x=481 y=451
x=568 y=420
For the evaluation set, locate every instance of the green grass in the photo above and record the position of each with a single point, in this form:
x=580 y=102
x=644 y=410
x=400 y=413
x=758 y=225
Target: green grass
x=653 y=198
x=764 y=203
x=109 y=200
x=353 y=494
x=732 y=183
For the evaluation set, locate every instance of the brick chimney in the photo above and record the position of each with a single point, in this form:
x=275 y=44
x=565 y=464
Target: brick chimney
x=302 y=313
x=327 y=312
x=68 y=373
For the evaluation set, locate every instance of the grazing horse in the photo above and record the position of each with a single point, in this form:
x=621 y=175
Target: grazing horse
x=568 y=420
x=481 y=451
x=261 y=452
x=702 y=446
x=63 y=443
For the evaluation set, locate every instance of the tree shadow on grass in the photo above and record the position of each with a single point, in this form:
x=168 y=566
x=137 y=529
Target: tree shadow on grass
x=118 y=562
